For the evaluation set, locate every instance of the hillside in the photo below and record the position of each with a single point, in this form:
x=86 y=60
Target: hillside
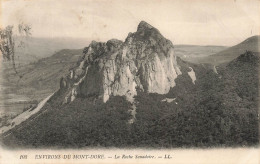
x=250 y=44
x=39 y=80
x=43 y=76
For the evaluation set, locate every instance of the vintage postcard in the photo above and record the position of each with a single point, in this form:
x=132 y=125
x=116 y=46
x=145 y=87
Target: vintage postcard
x=129 y=81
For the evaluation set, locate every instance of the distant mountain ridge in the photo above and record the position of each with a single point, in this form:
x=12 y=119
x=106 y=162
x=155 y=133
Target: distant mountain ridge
x=196 y=53
x=34 y=48
x=250 y=44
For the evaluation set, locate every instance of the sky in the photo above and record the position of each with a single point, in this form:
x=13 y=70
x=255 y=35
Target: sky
x=197 y=22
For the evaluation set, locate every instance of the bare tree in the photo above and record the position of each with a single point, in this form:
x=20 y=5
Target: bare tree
x=7 y=43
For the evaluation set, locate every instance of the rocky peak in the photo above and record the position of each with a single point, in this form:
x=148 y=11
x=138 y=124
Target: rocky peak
x=145 y=60
x=146 y=32
x=147 y=38
x=144 y=26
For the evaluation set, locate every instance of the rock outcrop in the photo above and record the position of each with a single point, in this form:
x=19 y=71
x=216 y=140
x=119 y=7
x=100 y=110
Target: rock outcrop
x=145 y=60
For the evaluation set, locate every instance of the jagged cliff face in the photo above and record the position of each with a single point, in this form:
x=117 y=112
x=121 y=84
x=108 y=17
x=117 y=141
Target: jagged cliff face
x=145 y=60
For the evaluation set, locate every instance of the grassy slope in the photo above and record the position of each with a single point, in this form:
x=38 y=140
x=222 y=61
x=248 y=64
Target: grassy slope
x=250 y=44
x=42 y=78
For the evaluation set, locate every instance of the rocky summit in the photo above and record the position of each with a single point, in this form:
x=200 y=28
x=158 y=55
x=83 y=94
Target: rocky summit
x=145 y=61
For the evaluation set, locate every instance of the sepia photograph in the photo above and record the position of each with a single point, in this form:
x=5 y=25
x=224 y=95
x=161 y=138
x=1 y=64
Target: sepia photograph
x=105 y=81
